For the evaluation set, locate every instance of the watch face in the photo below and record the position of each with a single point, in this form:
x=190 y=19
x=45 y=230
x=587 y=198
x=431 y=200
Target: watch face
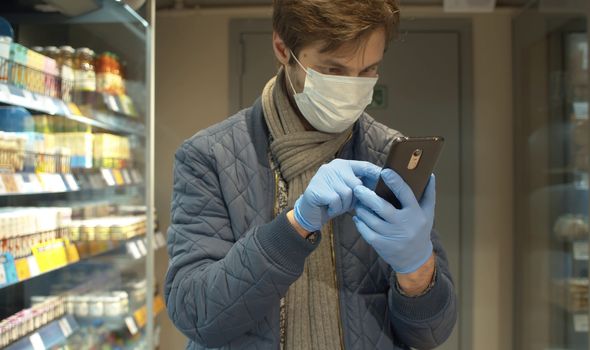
x=312 y=237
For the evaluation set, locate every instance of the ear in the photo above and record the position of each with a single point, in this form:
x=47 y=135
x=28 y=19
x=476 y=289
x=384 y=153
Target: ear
x=280 y=49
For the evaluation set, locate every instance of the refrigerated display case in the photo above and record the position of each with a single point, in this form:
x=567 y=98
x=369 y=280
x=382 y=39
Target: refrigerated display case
x=78 y=227
x=552 y=165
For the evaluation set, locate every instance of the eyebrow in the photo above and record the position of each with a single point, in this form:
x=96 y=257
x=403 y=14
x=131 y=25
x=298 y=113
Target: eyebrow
x=339 y=65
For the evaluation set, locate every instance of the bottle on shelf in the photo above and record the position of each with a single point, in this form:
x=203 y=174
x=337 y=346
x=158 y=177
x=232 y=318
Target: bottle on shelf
x=65 y=62
x=84 y=73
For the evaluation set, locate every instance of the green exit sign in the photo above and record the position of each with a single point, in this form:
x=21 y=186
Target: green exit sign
x=379 y=97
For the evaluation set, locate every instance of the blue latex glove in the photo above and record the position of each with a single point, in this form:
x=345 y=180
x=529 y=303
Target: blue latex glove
x=400 y=236
x=330 y=191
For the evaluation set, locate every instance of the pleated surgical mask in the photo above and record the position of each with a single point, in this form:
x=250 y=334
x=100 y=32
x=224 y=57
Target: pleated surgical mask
x=332 y=103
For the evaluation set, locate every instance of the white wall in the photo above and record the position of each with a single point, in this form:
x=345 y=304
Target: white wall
x=192 y=93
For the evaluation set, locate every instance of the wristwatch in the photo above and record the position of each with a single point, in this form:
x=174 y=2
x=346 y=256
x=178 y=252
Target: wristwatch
x=312 y=237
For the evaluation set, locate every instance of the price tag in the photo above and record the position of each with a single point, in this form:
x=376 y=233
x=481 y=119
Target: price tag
x=580 y=250
x=71 y=182
x=131 y=325
x=37 y=342
x=118 y=177
x=126 y=176
x=157 y=337
x=581 y=323
x=33 y=266
x=7 y=269
x=160 y=240
x=22 y=269
x=133 y=250
x=3 y=279
x=47 y=182
x=20 y=183
x=57 y=183
x=158 y=305
x=112 y=102
x=136 y=175
x=9 y=183
x=72 y=252
x=108 y=176
x=61 y=107
x=140 y=316
x=4 y=93
x=24 y=183
x=64 y=325
x=29 y=100
x=18 y=97
x=73 y=108
x=581 y=110
x=50 y=255
x=128 y=106
x=2 y=187
x=32 y=184
x=50 y=106
x=141 y=246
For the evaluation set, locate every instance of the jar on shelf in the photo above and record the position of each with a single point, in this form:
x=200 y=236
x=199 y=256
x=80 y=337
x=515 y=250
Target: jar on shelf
x=113 y=306
x=65 y=62
x=84 y=72
x=96 y=307
x=81 y=308
x=5 y=42
x=70 y=304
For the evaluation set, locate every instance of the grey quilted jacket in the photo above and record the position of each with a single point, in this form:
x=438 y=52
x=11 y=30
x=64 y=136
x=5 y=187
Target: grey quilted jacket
x=231 y=260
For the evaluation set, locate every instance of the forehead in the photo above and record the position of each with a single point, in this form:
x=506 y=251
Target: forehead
x=368 y=49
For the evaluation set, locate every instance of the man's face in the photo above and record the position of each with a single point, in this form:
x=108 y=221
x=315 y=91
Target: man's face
x=348 y=60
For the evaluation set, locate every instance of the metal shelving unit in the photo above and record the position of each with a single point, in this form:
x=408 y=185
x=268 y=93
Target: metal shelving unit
x=78 y=263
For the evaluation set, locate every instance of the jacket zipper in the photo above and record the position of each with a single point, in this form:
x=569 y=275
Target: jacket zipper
x=336 y=282
x=282 y=325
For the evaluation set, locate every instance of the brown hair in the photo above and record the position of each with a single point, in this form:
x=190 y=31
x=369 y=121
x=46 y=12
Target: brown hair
x=332 y=22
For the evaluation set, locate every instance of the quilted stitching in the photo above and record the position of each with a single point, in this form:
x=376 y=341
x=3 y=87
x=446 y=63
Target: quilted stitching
x=222 y=289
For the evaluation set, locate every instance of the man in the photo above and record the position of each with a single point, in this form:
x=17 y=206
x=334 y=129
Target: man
x=277 y=238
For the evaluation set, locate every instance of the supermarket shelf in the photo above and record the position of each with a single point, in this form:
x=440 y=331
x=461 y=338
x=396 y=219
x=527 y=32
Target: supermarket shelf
x=70 y=191
x=135 y=247
x=52 y=334
x=27 y=184
x=133 y=321
x=19 y=97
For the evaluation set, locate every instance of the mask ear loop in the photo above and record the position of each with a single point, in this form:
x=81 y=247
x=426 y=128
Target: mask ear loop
x=287 y=74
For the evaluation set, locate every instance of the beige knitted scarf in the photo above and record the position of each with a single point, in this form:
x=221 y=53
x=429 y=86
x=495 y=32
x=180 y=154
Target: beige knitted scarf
x=312 y=321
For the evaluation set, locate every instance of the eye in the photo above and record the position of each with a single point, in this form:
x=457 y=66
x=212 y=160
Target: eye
x=334 y=71
x=370 y=72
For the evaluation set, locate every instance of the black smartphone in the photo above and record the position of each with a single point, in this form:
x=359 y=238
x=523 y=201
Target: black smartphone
x=413 y=158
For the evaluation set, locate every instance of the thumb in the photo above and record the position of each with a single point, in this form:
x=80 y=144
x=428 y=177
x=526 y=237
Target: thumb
x=428 y=201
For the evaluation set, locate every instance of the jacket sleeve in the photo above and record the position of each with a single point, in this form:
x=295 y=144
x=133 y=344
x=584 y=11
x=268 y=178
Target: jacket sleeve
x=218 y=288
x=426 y=321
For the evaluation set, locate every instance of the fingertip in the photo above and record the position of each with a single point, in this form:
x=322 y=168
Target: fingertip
x=387 y=172
x=359 y=190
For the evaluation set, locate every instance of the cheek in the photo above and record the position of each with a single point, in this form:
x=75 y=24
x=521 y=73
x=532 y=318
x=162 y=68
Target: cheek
x=297 y=78
x=300 y=79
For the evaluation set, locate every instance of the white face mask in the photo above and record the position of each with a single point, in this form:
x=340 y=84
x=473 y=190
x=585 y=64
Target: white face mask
x=332 y=103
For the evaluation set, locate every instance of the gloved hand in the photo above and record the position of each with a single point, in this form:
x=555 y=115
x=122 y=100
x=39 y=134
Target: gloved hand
x=330 y=191
x=400 y=236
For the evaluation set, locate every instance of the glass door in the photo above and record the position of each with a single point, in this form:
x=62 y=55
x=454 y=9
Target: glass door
x=552 y=155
